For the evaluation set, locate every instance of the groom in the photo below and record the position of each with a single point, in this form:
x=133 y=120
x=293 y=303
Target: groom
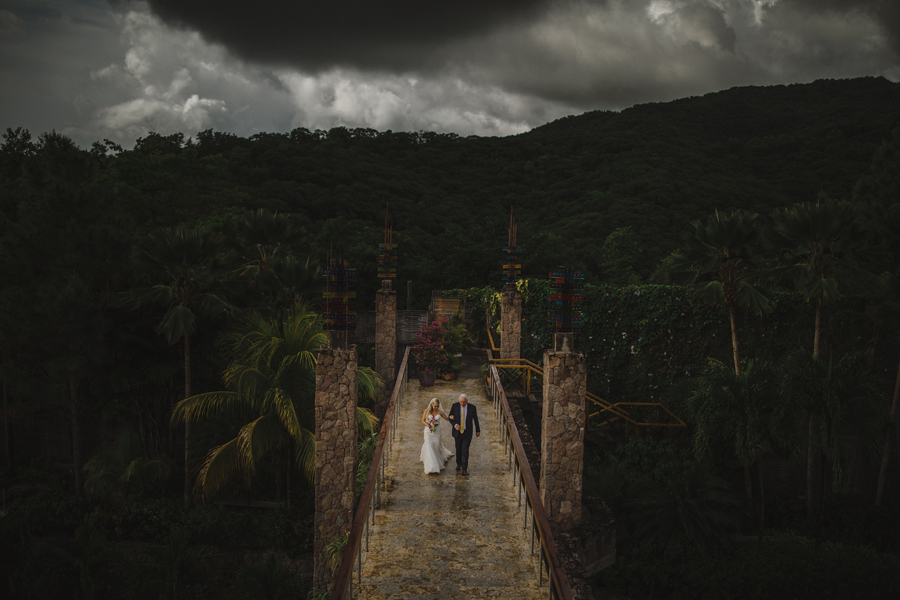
x=464 y=418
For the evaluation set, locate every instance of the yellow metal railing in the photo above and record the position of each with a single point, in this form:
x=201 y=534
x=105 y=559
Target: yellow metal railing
x=491 y=339
x=615 y=415
x=527 y=367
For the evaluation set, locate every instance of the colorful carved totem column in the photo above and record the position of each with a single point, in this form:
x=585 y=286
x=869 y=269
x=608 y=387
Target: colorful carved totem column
x=511 y=298
x=339 y=301
x=336 y=449
x=386 y=318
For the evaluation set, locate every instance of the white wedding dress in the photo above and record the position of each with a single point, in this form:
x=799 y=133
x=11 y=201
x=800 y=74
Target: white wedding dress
x=434 y=454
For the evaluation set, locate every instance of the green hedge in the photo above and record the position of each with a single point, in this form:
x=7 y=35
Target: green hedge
x=638 y=338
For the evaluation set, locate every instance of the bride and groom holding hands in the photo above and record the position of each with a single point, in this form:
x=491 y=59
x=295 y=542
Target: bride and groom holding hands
x=463 y=418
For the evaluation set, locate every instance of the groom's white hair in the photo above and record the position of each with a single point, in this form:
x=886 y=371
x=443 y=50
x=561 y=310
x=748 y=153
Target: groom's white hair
x=461 y=396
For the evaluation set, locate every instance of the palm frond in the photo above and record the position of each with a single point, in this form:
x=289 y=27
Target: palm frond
x=103 y=482
x=368 y=384
x=258 y=438
x=711 y=292
x=206 y=406
x=284 y=407
x=147 y=296
x=305 y=455
x=214 y=304
x=142 y=473
x=366 y=423
x=752 y=298
x=223 y=465
x=177 y=321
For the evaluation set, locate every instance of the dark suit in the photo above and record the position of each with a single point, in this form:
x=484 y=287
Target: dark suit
x=464 y=440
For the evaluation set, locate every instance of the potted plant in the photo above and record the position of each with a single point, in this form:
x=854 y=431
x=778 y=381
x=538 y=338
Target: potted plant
x=453 y=368
x=457 y=339
x=429 y=351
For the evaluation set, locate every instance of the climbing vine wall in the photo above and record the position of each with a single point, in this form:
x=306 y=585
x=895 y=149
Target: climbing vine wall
x=640 y=341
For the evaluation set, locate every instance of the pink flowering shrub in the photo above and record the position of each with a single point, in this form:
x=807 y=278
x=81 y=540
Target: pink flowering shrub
x=429 y=349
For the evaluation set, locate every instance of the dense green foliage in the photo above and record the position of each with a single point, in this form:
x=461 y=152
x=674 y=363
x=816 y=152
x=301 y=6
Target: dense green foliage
x=785 y=567
x=639 y=340
x=125 y=271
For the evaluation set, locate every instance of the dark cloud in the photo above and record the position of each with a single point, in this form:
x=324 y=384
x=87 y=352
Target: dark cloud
x=491 y=67
x=313 y=35
x=37 y=10
x=10 y=23
x=886 y=12
x=711 y=21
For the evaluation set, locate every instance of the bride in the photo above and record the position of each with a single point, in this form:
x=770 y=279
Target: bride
x=433 y=454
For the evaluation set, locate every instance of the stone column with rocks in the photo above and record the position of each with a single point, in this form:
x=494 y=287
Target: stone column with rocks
x=385 y=342
x=510 y=322
x=562 y=434
x=335 y=479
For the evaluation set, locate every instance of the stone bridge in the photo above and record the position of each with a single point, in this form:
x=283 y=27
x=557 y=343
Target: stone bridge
x=446 y=535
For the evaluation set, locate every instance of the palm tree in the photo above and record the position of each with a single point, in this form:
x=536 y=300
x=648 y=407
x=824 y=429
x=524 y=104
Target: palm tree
x=717 y=259
x=259 y=235
x=280 y=279
x=301 y=281
x=816 y=239
x=185 y=259
x=271 y=389
x=749 y=412
x=844 y=399
x=878 y=192
x=685 y=507
x=123 y=468
x=886 y=311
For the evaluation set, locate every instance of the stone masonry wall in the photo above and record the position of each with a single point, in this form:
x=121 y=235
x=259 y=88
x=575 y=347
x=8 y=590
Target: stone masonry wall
x=562 y=438
x=510 y=323
x=335 y=478
x=385 y=343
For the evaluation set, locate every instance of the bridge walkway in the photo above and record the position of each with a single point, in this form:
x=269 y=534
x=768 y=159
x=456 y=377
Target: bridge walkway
x=449 y=536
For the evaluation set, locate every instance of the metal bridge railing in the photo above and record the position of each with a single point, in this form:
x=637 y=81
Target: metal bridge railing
x=557 y=582
x=494 y=348
x=371 y=494
x=605 y=414
x=620 y=420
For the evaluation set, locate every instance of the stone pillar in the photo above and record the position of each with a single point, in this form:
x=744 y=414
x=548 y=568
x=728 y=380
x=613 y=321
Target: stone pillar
x=336 y=449
x=385 y=342
x=562 y=438
x=510 y=322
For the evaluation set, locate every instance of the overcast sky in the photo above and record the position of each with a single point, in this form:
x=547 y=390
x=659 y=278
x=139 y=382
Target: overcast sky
x=116 y=69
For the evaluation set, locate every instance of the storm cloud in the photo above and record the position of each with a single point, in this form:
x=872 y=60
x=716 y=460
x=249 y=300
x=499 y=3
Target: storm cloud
x=885 y=12
x=118 y=69
x=584 y=53
x=311 y=35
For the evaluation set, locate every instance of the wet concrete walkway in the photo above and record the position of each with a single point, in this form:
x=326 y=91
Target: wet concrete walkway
x=449 y=536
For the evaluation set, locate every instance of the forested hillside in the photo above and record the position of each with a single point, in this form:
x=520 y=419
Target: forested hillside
x=653 y=168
